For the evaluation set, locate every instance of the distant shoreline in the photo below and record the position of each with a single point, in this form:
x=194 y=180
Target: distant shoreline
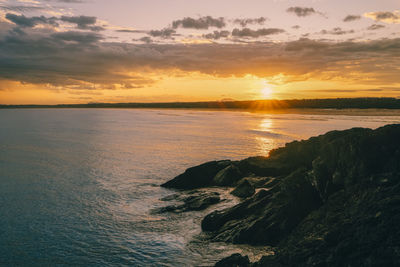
x=329 y=106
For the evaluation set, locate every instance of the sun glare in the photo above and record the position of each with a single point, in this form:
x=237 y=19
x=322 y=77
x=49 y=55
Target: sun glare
x=266 y=91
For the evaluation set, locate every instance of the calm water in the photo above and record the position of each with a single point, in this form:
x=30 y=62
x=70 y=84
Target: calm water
x=77 y=186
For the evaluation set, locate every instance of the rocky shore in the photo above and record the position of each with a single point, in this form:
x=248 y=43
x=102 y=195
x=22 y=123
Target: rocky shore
x=331 y=200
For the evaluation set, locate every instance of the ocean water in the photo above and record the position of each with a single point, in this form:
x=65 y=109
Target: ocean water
x=78 y=186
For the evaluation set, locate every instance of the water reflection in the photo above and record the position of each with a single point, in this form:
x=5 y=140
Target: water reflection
x=268 y=138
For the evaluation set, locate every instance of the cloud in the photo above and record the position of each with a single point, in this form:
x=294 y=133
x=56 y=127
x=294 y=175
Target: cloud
x=146 y=39
x=337 y=31
x=217 y=35
x=83 y=59
x=350 y=18
x=83 y=22
x=82 y=38
x=20 y=8
x=165 y=33
x=26 y=22
x=374 y=27
x=130 y=31
x=246 y=32
x=306 y=44
x=302 y=11
x=384 y=16
x=200 y=23
x=247 y=21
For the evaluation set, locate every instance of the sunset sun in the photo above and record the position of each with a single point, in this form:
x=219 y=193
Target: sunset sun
x=266 y=91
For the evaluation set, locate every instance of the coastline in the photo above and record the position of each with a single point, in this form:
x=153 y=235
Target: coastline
x=316 y=202
x=300 y=111
x=271 y=105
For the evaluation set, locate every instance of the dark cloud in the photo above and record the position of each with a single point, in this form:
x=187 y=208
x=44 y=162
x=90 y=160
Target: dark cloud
x=23 y=21
x=83 y=22
x=200 y=23
x=245 y=22
x=337 y=31
x=146 y=39
x=246 y=32
x=74 y=59
x=384 y=15
x=351 y=18
x=84 y=38
x=130 y=31
x=374 y=27
x=296 y=27
x=217 y=35
x=20 y=8
x=165 y=33
x=306 y=44
x=302 y=11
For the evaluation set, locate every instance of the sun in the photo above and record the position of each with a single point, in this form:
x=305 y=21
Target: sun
x=266 y=91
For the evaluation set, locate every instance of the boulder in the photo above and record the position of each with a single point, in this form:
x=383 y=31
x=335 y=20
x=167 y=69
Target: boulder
x=227 y=176
x=192 y=201
x=268 y=216
x=243 y=189
x=198 y=176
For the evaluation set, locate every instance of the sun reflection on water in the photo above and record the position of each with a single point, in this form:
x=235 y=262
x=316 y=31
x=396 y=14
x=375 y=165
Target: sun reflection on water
x=268 y=139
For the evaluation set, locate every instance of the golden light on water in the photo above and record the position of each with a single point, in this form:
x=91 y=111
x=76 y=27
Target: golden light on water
x=266 y=141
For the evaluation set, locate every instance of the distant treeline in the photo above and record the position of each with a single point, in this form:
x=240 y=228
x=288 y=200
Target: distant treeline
x=332 y=103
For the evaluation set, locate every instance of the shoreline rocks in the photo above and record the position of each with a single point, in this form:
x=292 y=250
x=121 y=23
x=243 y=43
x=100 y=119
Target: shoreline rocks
x=192 y=201
x=198 y=176
x=244 y=189
x=331 y=200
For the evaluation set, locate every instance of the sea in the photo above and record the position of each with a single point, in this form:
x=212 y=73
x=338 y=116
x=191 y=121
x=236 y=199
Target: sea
x=79 y=187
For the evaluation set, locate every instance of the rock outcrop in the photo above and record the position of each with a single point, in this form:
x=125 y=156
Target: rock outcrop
x=191 y=201
x=244 y=189
x=198 y=176
x=331 y=200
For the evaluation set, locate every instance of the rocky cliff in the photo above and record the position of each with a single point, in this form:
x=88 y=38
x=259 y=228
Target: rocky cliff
x=331 y=200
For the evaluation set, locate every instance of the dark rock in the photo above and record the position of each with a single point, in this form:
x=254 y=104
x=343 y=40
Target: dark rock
x=335 y=201
x=234 y=260
x=243 y=189
x=193 y=200
x=267 y=217
x=198 y=176
x=259 y=182
x=261 y=166
x=227 y=176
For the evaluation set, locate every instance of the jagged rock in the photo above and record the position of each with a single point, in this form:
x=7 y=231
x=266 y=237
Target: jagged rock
x=234 y=260
x=227 y=176
x=193 y=200
x=259 y=182
x=331 y=200
x=198 y=176
x=335 y=202
x=243 y=189
x=268 y=216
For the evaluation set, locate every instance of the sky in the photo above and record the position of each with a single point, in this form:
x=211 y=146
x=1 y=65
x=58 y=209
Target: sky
x=85 y=51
